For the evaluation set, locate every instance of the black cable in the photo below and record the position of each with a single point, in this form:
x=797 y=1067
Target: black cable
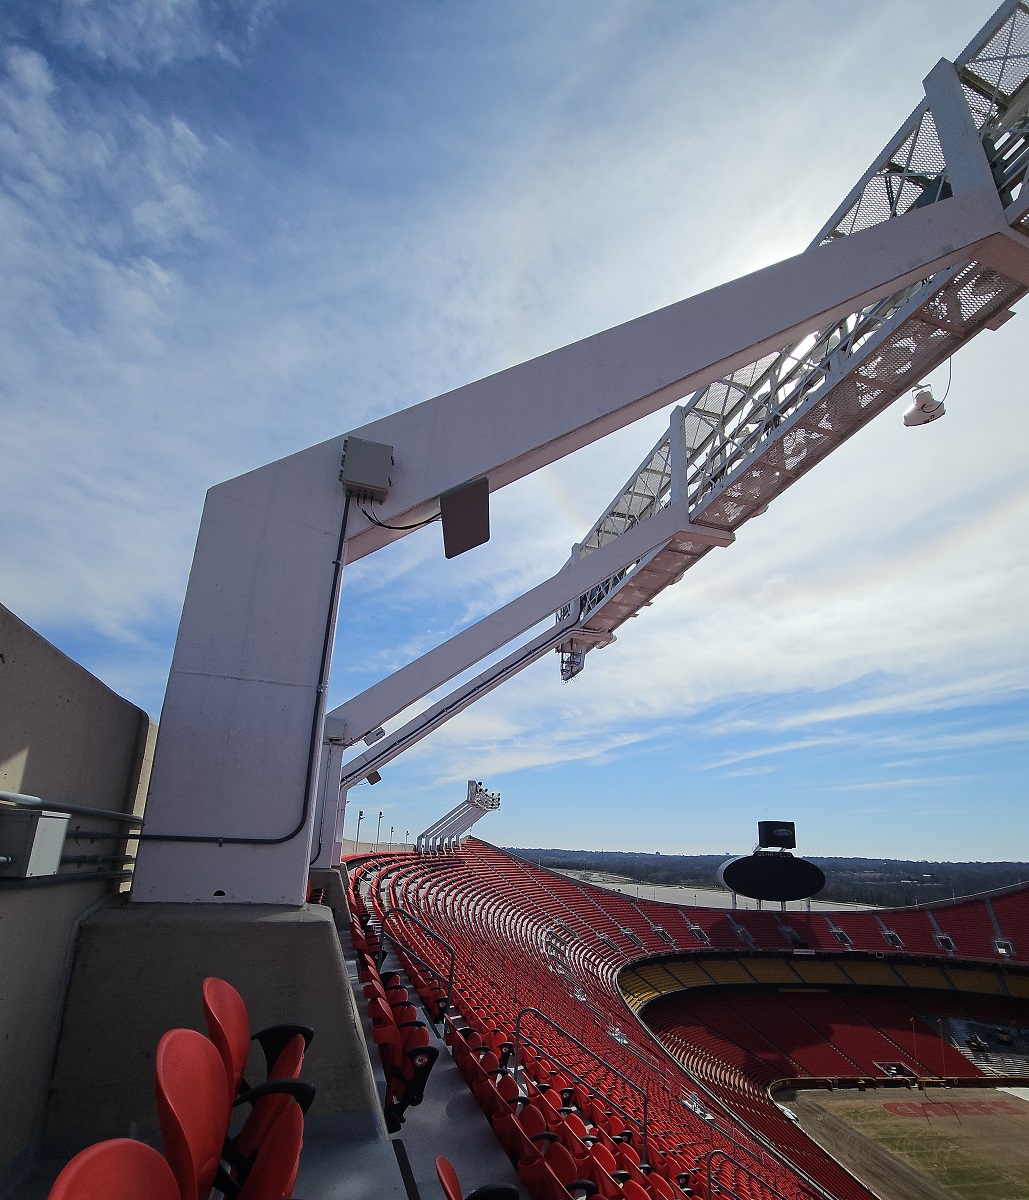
x=70 y=877
x=950 y=376
x=316 y=724
x=399 y=528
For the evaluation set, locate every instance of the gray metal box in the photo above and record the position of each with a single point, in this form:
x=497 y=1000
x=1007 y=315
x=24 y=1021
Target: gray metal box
x=365 y=469
x=33 y=840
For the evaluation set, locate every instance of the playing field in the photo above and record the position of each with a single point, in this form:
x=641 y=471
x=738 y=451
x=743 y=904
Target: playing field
x=936 y=1144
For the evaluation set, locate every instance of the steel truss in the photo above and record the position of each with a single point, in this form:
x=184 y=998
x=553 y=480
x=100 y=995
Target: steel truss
x=747 y=437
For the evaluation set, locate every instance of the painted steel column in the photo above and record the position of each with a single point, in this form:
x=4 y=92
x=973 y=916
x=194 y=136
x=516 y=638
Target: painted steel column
x=239 y=718
x=330 y=807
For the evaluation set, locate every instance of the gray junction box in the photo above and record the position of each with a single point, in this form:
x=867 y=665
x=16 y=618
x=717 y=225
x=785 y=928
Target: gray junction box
x=32 y=840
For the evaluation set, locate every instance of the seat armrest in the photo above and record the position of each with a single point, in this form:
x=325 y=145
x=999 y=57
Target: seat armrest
x=273 y=1039
x=301 y=1091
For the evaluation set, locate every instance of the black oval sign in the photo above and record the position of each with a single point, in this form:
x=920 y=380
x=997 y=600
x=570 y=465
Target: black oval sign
x=771 y=877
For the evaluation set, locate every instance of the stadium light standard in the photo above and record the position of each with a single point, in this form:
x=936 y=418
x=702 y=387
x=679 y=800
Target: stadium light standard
x=357 y=836
x=377 y=828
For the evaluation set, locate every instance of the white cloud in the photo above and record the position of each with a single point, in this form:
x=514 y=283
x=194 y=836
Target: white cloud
x=136 y=34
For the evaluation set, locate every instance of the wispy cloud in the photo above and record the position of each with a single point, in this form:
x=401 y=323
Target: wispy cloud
x=138 y=34
x=749 y=772
x=882 y=785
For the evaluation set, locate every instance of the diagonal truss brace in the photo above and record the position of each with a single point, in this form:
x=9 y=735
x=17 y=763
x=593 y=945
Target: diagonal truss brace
x=384 y=700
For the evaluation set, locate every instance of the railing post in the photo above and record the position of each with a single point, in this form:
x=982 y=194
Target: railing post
x=387 y=936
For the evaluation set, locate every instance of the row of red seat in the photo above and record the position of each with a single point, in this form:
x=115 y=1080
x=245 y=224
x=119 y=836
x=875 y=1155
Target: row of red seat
x=525 y=942
x=403 y=1040
x=821 y=1035
x=198 y=1082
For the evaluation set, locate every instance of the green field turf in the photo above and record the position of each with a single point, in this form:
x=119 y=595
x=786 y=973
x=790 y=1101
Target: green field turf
x=943 y=1142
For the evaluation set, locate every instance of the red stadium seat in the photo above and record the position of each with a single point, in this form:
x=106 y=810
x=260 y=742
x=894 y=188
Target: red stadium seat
x=452 y=1187
x=278 y=1159
x=229 y=1028
x=193 y=1109
x=120 y=1169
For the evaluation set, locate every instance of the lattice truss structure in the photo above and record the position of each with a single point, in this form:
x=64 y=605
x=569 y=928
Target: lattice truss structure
x=741 y=441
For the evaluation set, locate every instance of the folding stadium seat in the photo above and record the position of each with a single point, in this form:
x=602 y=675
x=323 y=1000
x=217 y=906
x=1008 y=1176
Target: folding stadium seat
x=555 y=1176
x=452 y=1188
x=229 y=1029
x=193 y=1112
x=496 y=1095
x=524 y=1133
x=275 y=1169
x=268 y=1101
x=559 y=1095
x=599 y=1164
x=408 y=1057
x=480 y=1077
x=629 y=1161
x=120 y=1169
x=192 y=1108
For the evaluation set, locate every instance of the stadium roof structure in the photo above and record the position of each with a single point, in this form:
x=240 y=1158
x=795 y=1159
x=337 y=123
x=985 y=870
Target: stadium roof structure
x=774 y=371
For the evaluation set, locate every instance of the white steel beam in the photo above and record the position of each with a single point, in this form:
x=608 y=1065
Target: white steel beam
x=420 y=726
x=528 y=416
x=410 y=683
x=968 y=169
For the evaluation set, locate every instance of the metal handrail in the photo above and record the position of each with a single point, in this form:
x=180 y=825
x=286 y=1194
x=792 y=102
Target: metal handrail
x=76 y=810
x=388 y=937
x=518 y=1039
x=750 y=1175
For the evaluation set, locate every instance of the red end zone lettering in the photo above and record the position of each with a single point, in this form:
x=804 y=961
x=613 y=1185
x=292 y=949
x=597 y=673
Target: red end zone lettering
x=904 y=1108
x=956 y=1108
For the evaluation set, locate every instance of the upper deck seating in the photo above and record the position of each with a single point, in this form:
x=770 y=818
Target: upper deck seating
x=529 y=942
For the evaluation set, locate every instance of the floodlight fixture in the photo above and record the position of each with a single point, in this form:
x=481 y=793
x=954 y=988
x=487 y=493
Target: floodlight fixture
x=924 y=407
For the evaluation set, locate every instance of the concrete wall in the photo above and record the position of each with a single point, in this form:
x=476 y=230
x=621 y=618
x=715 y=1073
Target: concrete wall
x=138 y=972
x=64 y=736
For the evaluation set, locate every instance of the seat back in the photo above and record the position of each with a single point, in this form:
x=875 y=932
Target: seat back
x=267 y=1109
x=192 y=1107
x=120 y=1169
x=228 y=1027
x=290 y=1059
x=278 y=1158
x=448 y=1178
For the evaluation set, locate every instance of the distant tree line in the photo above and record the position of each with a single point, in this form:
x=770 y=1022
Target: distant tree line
x=884 y=881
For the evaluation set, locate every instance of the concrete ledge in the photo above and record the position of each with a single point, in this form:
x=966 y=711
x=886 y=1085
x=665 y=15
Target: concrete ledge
x=138 y=971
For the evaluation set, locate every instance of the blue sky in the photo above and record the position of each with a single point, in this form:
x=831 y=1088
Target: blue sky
x=232 y=230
